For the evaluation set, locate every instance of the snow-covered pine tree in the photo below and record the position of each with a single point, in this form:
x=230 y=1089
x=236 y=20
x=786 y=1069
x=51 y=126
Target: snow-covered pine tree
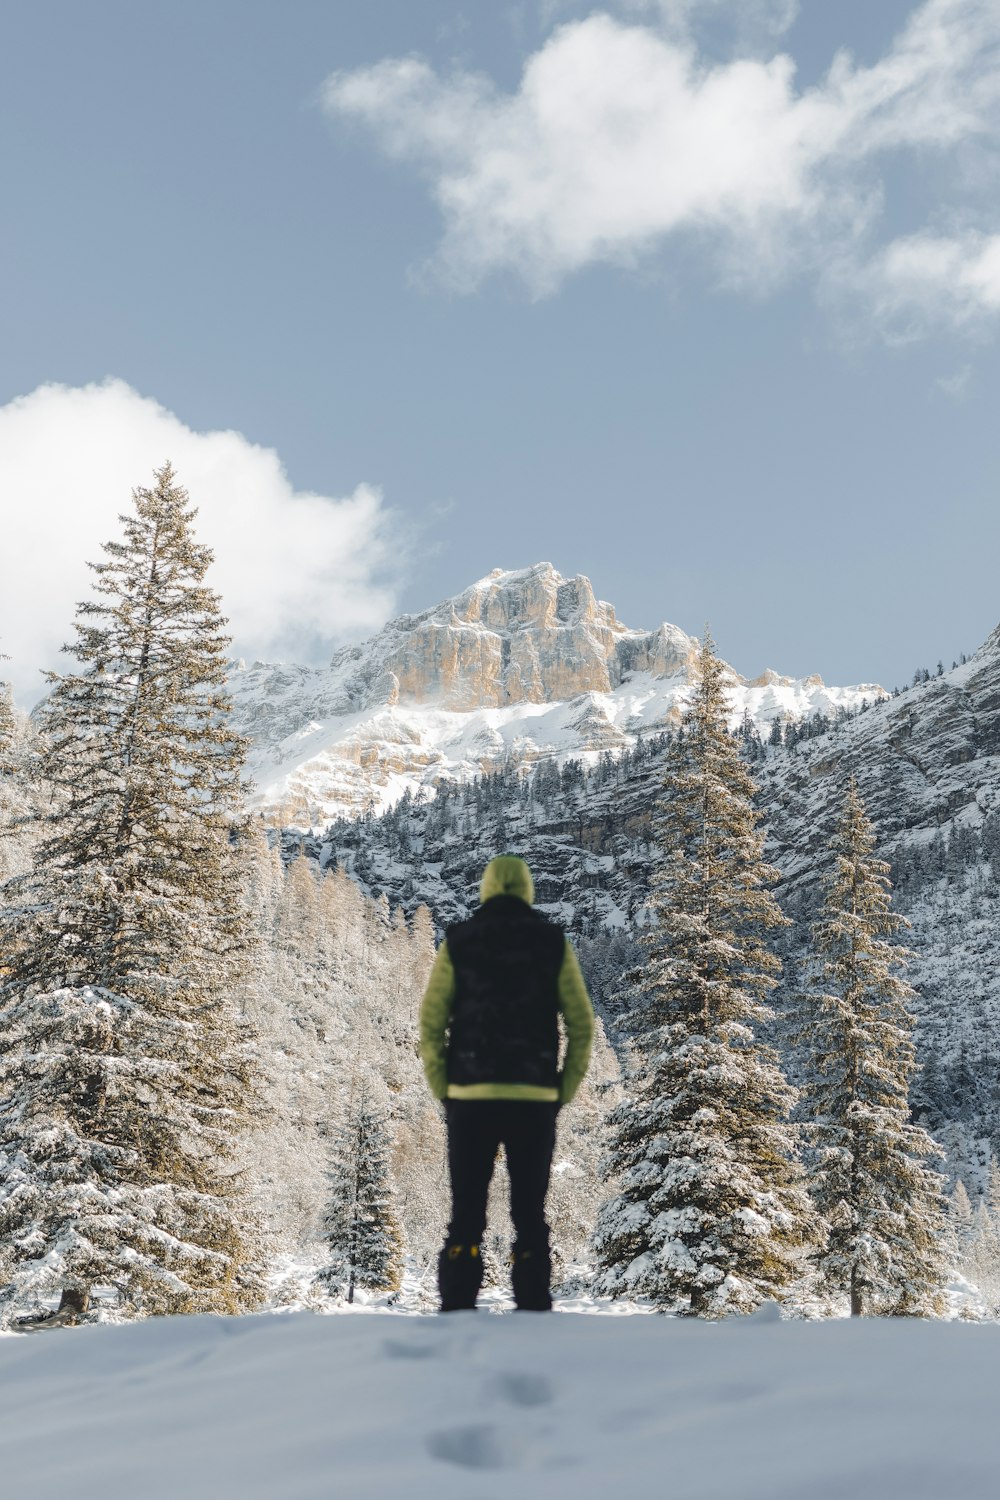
x=993 y=1188
x=883 y=1205
x=980 y=1259
x=125 y=1070
x=8 y=728
x=711 y=1216
x=16 y=788
x=961 y=1215
x=301 y=1023
x=361 y=1228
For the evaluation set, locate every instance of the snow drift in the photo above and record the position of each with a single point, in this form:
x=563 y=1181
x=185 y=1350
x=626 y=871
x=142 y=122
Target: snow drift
x=473 y=1405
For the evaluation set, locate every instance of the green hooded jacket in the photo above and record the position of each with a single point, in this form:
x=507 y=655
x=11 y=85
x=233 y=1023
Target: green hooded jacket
x=506 y=876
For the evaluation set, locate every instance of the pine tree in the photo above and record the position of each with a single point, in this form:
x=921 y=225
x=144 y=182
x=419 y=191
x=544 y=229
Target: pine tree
x=361 y=1228
x=8 y=729
x=16 y=786
x=285 y=1156
x=298 y=915
x=960 y=1214
x=125 y=1069
x=993 y=1188
x=883 y=1205
x=711 y=1217
x=980 y=1259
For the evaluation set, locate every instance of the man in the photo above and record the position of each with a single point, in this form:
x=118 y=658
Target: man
x=489 y=1039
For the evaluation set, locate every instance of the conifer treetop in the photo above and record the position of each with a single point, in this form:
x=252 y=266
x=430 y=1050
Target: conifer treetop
x=858 y=916
x=711 y=888
x=146 y=769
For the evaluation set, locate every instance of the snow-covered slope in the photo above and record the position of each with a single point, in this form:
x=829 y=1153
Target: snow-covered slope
x=928 y=766
x=927 y=763
x=305 y=1408
x=521 y=664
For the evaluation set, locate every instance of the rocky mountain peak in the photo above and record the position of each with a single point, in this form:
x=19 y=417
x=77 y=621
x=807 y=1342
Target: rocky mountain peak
x=524 y=663
x=524 y=636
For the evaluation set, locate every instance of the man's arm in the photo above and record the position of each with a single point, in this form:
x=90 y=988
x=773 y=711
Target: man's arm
x=435 y=1013
x=578 y=1018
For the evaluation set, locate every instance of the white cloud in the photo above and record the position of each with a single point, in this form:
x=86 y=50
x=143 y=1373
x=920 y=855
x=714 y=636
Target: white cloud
x=956 y=385
x=614 y=141
x=750 y=20
x=622 y=138
x=924 y=280
x=294 y=570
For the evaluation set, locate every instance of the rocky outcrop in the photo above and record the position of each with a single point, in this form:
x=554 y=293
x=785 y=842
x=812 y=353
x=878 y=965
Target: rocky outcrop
x=515 y=637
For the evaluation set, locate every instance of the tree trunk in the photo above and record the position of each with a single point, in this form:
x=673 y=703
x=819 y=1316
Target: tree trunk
x=857 y=1310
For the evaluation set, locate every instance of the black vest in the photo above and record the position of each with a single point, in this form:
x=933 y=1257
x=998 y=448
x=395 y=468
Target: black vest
x=504 y=1020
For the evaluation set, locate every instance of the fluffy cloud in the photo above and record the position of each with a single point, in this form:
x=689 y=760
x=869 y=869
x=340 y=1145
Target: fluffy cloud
x=925 y=279
x=623 y=137
x=294 y=570
x=749 y=20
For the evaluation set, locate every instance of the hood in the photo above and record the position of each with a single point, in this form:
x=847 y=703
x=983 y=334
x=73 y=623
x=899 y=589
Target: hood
x=507 y=876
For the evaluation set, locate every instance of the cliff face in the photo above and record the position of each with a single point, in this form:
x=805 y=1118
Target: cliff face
x=522 y=664
x=524 y=637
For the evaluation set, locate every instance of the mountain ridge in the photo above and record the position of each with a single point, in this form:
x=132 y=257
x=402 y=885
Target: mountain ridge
x=522 y=664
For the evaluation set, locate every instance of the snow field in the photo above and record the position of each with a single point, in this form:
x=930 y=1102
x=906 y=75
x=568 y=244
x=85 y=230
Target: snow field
x=479 y=1407
x=320 y=759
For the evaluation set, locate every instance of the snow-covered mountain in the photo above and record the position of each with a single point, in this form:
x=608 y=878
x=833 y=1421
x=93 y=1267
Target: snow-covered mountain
x=927 y=762
x=522 y=665
x=928 y=766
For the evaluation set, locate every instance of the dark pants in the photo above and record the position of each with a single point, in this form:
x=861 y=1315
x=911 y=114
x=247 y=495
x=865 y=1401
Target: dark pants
x=476 y=1129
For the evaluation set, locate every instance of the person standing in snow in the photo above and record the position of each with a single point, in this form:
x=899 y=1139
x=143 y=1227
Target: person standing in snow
x=489 y=1040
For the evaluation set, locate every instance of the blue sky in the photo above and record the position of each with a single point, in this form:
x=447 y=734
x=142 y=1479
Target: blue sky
x=642 y=289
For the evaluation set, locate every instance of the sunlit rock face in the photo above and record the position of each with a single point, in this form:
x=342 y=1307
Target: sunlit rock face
x=523 y=637
x=521 y=665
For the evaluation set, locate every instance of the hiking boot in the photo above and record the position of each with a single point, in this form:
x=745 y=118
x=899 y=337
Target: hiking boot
x=460 y=1275
x=530 y=1271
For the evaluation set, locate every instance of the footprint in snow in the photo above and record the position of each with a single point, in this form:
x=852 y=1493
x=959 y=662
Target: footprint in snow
x=476 y=1447
x=524 y=1389
x=400 y=1349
